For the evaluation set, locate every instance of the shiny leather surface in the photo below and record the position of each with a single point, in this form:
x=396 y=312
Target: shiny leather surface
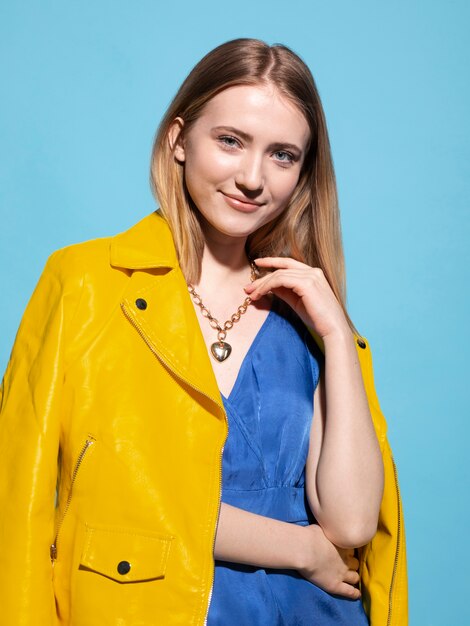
x=90 y=363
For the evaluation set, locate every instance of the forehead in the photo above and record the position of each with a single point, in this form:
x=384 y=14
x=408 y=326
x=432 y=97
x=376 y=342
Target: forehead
x=261 y=110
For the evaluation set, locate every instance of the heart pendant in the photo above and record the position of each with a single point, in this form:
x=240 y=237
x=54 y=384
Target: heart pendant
x=221 y=350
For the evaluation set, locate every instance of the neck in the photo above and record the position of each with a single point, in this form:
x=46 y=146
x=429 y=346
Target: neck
x=225 y=265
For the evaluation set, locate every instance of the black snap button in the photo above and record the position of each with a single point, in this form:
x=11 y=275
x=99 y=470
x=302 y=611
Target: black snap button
x=361 y=343
x=124 y=567
x=141 y=304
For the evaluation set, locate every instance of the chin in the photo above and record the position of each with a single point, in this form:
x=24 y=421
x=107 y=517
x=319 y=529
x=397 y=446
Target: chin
x=232 y=226
x=235 y=231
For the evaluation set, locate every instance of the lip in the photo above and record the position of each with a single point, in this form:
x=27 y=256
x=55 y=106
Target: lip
x=242 y=204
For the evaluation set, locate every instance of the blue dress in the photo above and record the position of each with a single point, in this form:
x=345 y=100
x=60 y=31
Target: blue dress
x=269 y=412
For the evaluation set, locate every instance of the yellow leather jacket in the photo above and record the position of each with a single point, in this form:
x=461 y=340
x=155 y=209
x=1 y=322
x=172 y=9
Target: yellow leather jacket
x=111 y=435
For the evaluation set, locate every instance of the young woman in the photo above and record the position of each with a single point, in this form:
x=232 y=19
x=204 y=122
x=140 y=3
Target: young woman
x=189 y=432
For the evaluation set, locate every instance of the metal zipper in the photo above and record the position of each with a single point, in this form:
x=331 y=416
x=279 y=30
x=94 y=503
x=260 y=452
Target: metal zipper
x=395 y=564
x=154 y=351
x=53 y=548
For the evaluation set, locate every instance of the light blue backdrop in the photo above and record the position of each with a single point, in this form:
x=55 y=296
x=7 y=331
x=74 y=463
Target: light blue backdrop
x=84 y=86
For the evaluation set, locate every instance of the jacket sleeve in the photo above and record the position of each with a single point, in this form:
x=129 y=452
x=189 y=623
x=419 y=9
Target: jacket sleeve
x=30 y=410
x=383 y=568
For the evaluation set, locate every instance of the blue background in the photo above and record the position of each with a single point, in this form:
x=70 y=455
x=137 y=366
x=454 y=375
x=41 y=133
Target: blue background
x=84 y=87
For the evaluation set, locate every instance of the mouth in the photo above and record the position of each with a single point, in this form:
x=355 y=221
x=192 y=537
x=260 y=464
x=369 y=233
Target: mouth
x=240 y=203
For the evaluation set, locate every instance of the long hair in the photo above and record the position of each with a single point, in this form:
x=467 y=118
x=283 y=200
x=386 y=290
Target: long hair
x=309 y=228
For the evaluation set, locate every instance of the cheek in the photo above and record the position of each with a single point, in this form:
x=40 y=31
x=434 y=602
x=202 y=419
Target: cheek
x=283 y=185
x=207 y=167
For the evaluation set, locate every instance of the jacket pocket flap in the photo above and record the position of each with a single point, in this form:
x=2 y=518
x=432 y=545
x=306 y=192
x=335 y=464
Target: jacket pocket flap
x=125 y=555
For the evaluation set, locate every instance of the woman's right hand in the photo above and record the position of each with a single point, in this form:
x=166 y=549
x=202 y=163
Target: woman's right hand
x=253 y=539
x=327 y=566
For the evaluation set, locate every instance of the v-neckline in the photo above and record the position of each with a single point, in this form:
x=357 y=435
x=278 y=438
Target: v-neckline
x=248 y=353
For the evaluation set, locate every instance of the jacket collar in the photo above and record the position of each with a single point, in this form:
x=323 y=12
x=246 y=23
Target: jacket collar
x=147 y=244
x=168 y=323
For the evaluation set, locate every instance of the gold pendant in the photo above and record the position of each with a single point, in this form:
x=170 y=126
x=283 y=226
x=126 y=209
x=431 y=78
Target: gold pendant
x=221 y=350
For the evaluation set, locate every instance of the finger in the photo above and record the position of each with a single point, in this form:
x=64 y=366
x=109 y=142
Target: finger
x=267 y=283
x=257 y=283
x=348 y=591
x=346 y=552
x=351 y=577
x=279 y=262
x=352 y=563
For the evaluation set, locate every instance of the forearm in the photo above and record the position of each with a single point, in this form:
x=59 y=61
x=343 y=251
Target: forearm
x=244 y=537
x=349 y=475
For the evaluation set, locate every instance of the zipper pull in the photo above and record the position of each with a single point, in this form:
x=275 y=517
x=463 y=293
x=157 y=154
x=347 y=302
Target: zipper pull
x=53 y=552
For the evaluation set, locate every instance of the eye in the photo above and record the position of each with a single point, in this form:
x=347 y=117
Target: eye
x=228 y=141
x=284 y=157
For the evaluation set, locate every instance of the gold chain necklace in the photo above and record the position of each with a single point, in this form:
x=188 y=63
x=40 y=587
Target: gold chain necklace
x=220 y=349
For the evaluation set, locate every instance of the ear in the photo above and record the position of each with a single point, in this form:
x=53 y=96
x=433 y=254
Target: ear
x=175 y=138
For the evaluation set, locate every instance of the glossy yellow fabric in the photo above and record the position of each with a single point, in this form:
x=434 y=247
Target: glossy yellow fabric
x=110 y=397
x=383 y=560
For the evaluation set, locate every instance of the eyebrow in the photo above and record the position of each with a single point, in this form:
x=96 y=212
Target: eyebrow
x=247 y=137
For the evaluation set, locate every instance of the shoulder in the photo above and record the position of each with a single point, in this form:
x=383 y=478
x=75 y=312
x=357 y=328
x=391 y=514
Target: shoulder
x=90 y=277
x=146 y=244
x=72 y=268
x=77 y=258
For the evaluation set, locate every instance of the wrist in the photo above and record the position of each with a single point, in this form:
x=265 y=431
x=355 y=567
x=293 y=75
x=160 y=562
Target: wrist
x=301 y=556
x=339 y=335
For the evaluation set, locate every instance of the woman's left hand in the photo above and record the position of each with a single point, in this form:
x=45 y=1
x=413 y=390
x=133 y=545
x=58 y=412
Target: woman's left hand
x=305 y=289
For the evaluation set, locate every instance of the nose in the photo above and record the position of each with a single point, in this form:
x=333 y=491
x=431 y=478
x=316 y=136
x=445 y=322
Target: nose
x=250 y=174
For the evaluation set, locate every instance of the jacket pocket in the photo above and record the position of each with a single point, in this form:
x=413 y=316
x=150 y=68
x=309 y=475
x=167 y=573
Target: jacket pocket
x=125 y=555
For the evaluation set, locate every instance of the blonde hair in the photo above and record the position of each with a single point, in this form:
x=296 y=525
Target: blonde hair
x=309 y=228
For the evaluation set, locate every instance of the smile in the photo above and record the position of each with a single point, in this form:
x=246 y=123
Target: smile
x=246 y=207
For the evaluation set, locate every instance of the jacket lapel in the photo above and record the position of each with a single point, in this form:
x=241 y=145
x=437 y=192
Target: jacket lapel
x=157 y=303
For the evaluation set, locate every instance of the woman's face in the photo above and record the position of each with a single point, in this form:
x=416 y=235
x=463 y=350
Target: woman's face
x=242 y=158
